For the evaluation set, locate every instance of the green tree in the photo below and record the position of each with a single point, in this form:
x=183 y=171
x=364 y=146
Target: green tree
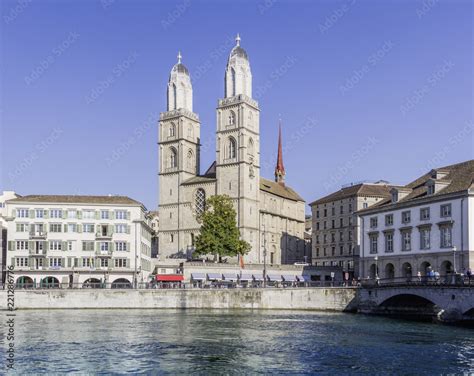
x=219 y=235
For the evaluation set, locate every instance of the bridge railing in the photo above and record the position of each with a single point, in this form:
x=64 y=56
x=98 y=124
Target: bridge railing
x=448 y=280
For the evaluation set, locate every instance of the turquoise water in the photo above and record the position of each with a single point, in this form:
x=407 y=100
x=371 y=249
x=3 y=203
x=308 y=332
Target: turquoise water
x=234 y=342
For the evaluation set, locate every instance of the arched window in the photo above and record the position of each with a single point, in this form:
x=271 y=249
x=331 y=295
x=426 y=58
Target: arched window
x=190 y=159
x=174 y=97
x=173 y=158
x=233 y=81
x=200 y=201
x=172 y=131
x=250 y=147
x=232 y=118
x=190 y=131
x=231 y=148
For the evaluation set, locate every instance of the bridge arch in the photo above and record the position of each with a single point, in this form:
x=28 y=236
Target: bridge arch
x=407 y=300
x=469 y=312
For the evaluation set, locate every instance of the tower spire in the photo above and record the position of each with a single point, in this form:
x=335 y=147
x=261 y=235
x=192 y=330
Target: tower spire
x=280 y=169
x=237 y=39
x=179 y=57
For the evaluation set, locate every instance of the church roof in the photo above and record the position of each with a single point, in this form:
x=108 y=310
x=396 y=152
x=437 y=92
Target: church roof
x=180 y=68
x=200 y=179
x=240 y=52
x=279 y=190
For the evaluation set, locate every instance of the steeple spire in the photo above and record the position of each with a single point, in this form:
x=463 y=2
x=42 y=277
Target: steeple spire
x=237 y=39
x=280 y=169
x=179 y=57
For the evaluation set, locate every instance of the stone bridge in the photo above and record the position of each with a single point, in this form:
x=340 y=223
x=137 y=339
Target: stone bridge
x=449 y=304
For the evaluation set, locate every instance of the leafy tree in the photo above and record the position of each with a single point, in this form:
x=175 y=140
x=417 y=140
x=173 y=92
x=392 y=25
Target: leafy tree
x=219 y=235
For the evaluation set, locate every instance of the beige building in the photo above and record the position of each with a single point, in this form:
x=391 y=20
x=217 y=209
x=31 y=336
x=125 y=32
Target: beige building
x=335 y=227
x=77 y=240
x=425 y=225
x=270 y=215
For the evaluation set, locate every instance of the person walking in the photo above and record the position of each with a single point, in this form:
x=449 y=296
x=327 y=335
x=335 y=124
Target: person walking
x=469 y=275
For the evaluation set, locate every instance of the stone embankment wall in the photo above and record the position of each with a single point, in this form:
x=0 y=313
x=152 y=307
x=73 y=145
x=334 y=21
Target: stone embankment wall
x=326 y=299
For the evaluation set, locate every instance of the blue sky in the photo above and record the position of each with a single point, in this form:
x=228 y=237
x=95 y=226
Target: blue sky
x=366 y=90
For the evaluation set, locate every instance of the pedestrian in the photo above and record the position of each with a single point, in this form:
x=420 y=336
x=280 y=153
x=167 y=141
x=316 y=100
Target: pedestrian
x=469 y=275
x=419 y=276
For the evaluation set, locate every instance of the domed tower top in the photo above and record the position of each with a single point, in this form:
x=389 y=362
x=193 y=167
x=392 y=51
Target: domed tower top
x=180 y=89
x=238 y=77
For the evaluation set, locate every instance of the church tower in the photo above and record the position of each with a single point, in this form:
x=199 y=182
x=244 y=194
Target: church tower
x=238 y=146
x=179 y=136
x=280 y=169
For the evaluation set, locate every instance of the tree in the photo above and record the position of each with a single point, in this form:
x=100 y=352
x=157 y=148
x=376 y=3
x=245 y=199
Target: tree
x=219 y=235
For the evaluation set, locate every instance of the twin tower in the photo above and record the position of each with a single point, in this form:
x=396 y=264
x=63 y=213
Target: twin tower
x=236 y=170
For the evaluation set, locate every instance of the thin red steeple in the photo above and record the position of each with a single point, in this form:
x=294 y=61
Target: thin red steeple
x=280 y=169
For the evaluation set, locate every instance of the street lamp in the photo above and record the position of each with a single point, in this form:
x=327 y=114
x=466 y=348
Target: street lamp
x=454 y=259
x=376 y=259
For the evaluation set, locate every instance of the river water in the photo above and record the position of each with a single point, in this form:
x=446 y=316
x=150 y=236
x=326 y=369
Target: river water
x=234 y=342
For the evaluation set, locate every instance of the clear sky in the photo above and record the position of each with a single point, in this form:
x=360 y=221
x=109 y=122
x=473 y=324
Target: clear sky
x=366 y=90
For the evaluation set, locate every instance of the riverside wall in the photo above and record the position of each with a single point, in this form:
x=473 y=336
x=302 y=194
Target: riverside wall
x=324 y=299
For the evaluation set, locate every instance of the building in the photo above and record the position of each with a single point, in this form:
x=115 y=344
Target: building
x=6 y=195
x=74 y=240
x=335 y=227
x=270 y=214
x=425 y=225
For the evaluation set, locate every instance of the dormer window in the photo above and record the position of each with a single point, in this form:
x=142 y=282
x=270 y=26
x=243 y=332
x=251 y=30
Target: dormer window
x=431 y=189
x=394 y=196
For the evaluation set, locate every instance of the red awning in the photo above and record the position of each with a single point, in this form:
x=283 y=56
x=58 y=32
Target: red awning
x=169 y=277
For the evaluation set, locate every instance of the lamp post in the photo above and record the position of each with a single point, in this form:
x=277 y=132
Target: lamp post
x=376 y=259
x=264 y=258
x=454 y=260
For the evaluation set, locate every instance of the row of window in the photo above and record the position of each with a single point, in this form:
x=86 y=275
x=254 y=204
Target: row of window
x=39 y=228
x=333 y=224
x=333 y=251
x=72 y=213
x=59 y=262
x=445 y=240
x=58 y=245
x=333 y=237
x=445 y=211
x=333 y=211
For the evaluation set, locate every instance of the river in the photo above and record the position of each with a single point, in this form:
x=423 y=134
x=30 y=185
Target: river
x=238 y=342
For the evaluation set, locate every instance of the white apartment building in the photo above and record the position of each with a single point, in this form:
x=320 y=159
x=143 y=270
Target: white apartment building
x=425 y=225
x=76 y=240
x=6 y=195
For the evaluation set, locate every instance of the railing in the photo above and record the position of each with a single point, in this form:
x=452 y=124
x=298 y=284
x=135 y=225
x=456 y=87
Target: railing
x=37 y=252
x=101 y=235
x=38 y=234
x=103 y=253
x=178 y=285
x=448 y=280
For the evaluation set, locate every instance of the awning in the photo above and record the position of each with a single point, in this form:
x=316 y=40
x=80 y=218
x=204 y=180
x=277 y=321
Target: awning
x=246 y=277
x=289 y=278
x=198 y=276
x=274 y=277
x=230 y=277
x=169 y=277
x=214 y=276
x=304 y=278
x=258 y=277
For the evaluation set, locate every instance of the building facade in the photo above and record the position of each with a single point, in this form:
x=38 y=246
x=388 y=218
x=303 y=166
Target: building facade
x=425 y=225
x=335 y=227
x=75 y=240
x=270 y=215
x=6 y=195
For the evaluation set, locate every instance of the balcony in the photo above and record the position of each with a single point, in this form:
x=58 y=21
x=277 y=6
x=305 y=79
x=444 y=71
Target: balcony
x=103 y=235
x=37 y=252
x=103 y=253
x=38 y=234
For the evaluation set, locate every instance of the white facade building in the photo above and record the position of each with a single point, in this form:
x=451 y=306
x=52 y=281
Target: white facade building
x=6 y=195
x=74 y=240
x=263 y=206
x=425 y=225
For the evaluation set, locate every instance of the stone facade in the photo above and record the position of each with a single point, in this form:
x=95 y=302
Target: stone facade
x=269 y=214
x=425 y=225
x=74 y=239
x=335 y=227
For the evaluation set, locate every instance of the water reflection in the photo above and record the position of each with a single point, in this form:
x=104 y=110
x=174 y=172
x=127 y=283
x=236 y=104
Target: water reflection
x=234 y=342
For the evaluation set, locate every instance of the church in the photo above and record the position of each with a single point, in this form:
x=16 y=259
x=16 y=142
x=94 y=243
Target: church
x=270 y=215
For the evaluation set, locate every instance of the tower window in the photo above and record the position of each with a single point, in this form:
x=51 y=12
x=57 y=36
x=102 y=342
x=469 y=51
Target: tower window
x=233 y=82
x=231 y=149
x=173 y=158
x=172 y=131
x=190 y=159
x=200 y=201
x=232 y=118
